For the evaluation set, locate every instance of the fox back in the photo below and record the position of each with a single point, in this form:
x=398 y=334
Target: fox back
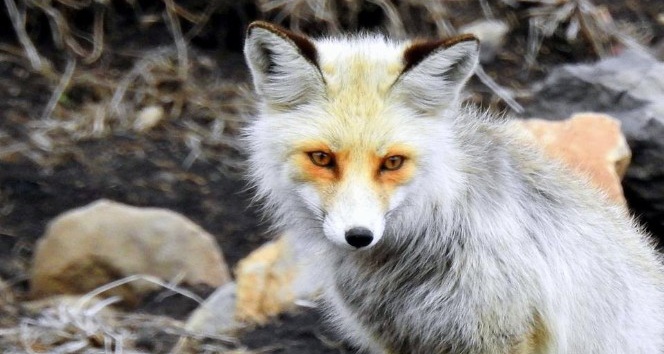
x=438 y=228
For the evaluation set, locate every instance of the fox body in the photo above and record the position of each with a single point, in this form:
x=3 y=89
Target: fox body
x=438 y=229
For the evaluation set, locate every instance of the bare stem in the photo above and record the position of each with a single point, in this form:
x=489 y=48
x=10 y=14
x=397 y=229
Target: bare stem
x=180 y=42
x=19 y=26
x=60 y=89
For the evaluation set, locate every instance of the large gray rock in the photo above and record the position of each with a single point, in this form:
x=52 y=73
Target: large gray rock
x=629 y=87
x=491 y=33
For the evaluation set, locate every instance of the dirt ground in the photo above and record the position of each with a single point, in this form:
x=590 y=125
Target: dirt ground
x=178 y=164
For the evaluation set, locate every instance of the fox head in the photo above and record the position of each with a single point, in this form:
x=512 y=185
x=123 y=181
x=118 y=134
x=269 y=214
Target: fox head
x=349 y=129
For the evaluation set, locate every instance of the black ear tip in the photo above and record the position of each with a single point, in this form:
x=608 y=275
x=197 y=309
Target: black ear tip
x=463 y=38
x=419 y=50
x=303 y=44
x=266 y=26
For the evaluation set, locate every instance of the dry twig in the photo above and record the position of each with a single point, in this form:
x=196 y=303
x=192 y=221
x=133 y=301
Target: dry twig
x=18 y=21
x=60 y=89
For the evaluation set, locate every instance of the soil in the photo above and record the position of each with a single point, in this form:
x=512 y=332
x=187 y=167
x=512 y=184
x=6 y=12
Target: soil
x=156 y=168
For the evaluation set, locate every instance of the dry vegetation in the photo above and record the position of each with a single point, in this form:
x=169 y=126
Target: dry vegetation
x=90 y=98
x=88 y=325
x=93 y=87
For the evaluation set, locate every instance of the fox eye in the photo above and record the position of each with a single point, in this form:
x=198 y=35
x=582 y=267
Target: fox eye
x=392 y=163
x=321 y=159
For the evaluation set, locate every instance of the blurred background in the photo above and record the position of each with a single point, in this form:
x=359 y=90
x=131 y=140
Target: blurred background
x=142 y=102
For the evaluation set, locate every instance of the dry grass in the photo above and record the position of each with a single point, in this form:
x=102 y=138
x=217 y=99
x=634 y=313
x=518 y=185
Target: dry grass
x=576 y=18
x=336 y=16
x=87 y=324
x=200 y=112
x=199 y=109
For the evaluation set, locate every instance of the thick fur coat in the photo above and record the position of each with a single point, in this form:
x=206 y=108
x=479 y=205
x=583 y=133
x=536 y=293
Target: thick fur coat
x=470 y=240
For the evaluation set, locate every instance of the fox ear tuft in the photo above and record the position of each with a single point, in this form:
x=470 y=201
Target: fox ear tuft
x=435 y=72
x=283 y=64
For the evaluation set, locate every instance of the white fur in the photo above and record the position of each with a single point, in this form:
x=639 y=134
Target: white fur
x=354 y=207
x=488 y=243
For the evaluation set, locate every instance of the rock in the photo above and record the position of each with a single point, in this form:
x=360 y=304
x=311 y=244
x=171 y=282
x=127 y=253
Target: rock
x=105 y=241
x=216 y=314
x=148 y=118
x=629 y=87
x=491 y=34
x=589 y=143
x=271 y=280
x=213 y=317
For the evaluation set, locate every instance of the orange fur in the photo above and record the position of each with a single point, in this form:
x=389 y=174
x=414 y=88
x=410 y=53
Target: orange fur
x=353 y=166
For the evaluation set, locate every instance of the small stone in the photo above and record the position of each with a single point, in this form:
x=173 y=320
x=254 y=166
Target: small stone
x=491 y=33
x=148 y=118
x=590 y=143
x=85 y=248
x=217 y=314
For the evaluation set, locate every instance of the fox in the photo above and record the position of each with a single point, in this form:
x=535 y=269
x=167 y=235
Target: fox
x=436 y=226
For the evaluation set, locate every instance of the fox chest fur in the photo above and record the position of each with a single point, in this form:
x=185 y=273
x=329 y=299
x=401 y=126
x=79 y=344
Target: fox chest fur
x=436 y=227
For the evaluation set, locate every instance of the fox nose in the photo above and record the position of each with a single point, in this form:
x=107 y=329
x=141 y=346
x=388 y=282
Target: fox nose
x=359 y=237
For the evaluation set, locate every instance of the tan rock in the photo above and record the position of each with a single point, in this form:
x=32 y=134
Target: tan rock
x=105 y=241
x=591 y=143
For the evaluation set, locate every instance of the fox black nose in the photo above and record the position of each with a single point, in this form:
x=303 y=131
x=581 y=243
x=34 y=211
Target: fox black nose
x=359 y=237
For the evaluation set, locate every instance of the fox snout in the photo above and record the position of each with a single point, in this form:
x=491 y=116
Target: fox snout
x=356 y=221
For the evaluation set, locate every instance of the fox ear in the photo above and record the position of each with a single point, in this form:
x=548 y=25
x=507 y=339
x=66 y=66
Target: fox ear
x=283 y=64
x=435 y=72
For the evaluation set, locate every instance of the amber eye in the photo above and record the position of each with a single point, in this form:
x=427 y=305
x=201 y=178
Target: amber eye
x=392 y=163
x=321 y=159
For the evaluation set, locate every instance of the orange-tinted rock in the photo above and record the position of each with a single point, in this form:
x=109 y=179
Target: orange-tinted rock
x=265 y=281
x=590 y=143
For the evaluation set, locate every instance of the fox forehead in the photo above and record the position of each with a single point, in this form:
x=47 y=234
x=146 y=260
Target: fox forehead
x=358 y=75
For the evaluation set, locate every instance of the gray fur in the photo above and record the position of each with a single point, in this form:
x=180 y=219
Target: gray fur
x=430 y=289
